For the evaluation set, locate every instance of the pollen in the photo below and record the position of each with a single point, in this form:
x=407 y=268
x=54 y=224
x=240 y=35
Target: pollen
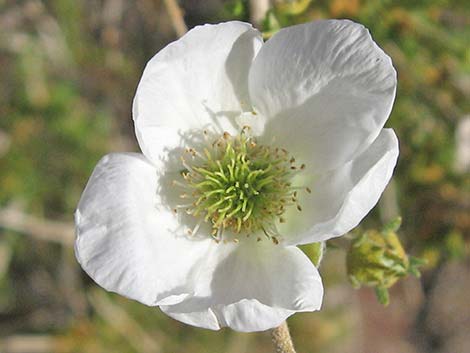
x=238 y=185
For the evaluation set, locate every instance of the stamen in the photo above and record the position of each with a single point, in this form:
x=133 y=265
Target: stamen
x=196 y=227
x=238 y=185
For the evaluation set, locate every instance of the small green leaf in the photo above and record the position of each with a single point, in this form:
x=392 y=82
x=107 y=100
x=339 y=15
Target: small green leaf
x=382 y=295
x=392 y=226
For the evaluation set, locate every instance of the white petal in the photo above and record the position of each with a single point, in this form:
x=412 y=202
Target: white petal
x=341 y=198
x=260 y=282
x=126 y=239
x=204 y=318
x=247 y=315
x=326 y=89
x=198 y=81
x=272 y=274
x=250 y=316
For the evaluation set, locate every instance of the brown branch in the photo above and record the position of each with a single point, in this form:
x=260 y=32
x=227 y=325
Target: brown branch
x=28 y=343
x=54 y=231
x=124 y=324
x=258 y=10
x=176 y=17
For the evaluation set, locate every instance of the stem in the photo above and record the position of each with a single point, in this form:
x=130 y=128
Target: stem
x=281 y=339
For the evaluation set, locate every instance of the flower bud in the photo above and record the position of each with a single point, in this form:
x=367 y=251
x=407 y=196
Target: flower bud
x=377 y=259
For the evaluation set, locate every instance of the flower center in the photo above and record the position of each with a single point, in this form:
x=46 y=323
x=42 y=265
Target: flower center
x=238 y=185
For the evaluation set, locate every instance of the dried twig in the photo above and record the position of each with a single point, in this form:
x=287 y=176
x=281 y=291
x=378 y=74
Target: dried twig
x=58 y=232
x=125 y=325
x=258 y=10
x=176 y=17
x=28 y=343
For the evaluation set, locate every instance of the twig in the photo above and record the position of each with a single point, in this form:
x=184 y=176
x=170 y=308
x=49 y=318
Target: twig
x=28 y=343
x=120 y=320
x=176 y=17
x=58 y=232
x=462 y=145
x=281 y=339
x=258 y=10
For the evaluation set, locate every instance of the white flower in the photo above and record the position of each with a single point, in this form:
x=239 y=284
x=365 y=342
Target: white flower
x=321 y=90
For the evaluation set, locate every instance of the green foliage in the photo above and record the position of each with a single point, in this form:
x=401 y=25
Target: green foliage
x=69 y=70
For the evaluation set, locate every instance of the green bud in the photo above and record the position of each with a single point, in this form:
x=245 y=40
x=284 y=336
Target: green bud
x=377 y=259
x=392 y=226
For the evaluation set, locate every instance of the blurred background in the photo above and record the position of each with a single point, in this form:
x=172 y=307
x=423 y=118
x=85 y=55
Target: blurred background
x=68 y=73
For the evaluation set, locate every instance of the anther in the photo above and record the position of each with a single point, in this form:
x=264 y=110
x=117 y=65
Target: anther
x=238 y=185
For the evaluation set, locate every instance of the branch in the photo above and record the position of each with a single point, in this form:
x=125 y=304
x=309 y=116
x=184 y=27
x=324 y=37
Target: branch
x=258 y=10
x=57 y=232
x=28 y=343
x=125 y=325
x=176 y=17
